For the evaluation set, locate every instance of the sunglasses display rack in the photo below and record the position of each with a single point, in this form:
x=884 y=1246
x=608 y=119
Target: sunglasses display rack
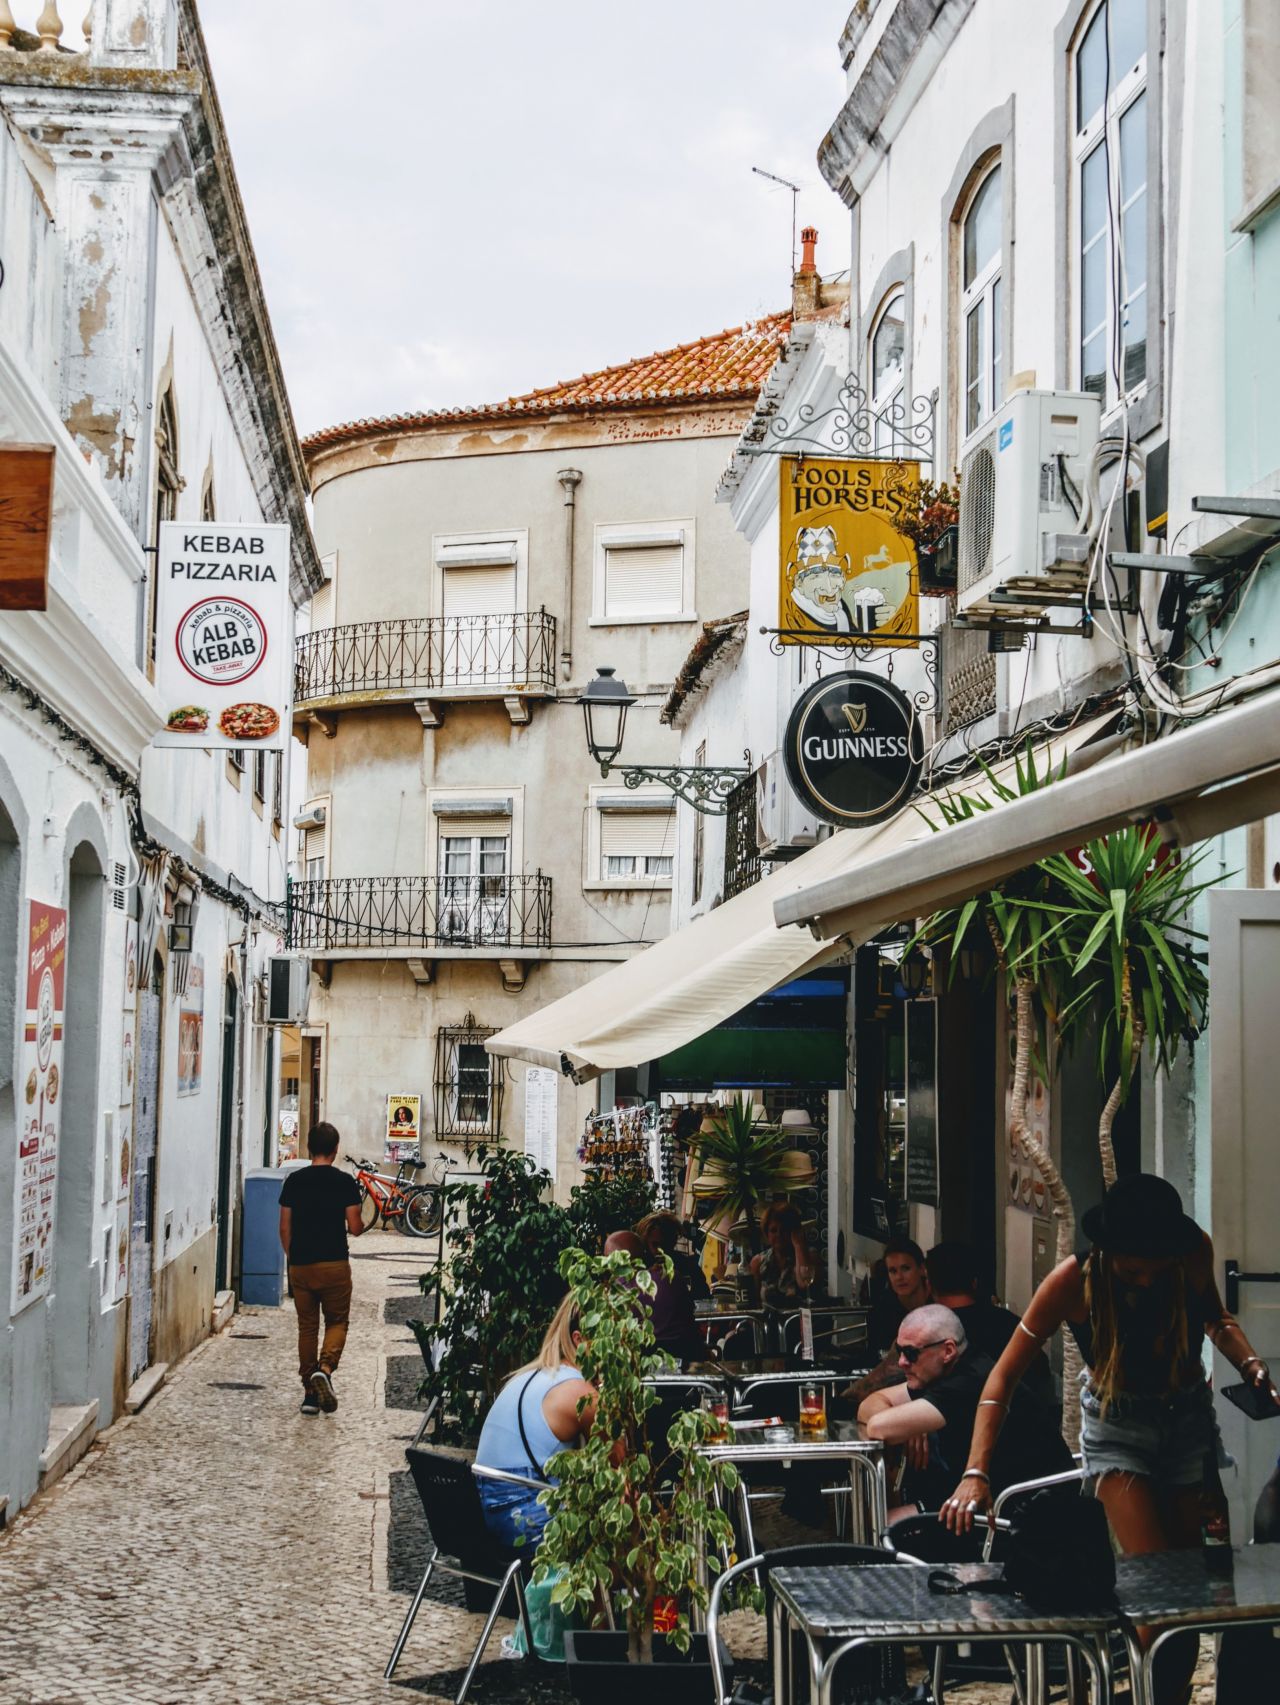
x=622 y=1143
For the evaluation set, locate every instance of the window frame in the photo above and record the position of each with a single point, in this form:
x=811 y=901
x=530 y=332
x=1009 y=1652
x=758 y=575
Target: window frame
x=611 y=534
x=450 y=1040
x=882 y=403
x=441 y=543
x=1084 y=141
x=983 y=297
x=641 y=800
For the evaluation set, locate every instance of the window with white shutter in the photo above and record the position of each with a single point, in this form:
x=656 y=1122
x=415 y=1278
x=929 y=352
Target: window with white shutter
x=637 y=846
x=313 y=853
x=643 y=574
x=478 y=590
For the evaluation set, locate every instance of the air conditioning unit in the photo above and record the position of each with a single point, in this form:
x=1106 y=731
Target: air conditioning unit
x=288 y=989
x=1023 y=479
x=782 y=823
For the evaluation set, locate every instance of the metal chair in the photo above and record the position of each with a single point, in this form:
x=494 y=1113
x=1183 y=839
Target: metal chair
x=786 y=1557
x=834 y=1331
x=1066 y=1478
x=463 y=1546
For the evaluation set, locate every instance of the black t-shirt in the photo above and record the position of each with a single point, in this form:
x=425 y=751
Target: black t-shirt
x=1029 y=1445
x=988 y=1327
x=318 y=1197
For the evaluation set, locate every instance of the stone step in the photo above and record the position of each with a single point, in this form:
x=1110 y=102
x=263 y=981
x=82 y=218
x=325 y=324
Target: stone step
x=71 y=1430
x=145 y=1387
x=224 y=1306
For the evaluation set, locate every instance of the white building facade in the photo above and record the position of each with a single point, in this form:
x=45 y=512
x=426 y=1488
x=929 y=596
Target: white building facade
x=134 y=342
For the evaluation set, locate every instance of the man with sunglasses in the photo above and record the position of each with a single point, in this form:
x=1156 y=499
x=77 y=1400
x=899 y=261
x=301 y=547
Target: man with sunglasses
x=932 y=1414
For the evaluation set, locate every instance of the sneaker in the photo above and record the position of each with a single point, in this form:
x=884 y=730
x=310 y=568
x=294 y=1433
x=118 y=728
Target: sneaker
x=310 y=1405
x=322 y=1390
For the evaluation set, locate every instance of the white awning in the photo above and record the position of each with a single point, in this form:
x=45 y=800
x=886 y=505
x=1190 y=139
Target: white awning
x=1212 y=776
x=685 y=985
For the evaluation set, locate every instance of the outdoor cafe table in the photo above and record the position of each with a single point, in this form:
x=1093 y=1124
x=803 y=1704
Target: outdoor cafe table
x=1172 y=1592
x=756 y=1376
x=863 y=1459
x=842 y=1609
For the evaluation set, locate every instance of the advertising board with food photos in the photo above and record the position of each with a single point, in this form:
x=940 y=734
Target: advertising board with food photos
x=224 y=635
x=40 y=1074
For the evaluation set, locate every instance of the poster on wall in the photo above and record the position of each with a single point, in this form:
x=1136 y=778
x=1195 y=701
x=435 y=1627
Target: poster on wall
x=122 y=1249
x=224 y=635
x=541 y=1092
x=40 y=1109
x=130 y=1000
x=191 y=1029
x=404 y=1113
x=843 y=566
x=126 y=1062
x=124 y=1127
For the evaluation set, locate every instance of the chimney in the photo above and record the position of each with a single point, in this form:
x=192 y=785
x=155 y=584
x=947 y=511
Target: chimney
x=806 y=286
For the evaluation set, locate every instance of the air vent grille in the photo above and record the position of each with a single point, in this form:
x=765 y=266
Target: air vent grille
x=977 y=515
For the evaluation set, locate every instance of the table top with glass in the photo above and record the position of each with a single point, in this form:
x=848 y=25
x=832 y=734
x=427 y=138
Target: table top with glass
x=840 y=1608
x=1205 y=1590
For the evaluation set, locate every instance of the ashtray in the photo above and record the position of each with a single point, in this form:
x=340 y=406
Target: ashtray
x=782 y=1434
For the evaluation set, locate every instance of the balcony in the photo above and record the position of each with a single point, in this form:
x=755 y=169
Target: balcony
x=423 y=918
x=425 y=661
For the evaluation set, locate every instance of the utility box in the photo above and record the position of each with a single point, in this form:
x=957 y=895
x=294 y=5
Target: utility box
x=261 y=1257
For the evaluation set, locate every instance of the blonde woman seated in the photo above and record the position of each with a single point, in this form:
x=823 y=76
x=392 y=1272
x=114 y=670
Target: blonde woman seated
x=544 y=1407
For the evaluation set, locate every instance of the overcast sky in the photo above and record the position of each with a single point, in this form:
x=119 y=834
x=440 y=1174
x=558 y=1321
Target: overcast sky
x=453 y=201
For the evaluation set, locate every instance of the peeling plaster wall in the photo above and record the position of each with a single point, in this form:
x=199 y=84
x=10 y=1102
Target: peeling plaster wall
x=32 y=266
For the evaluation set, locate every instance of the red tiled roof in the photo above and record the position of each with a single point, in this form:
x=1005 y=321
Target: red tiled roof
x=724 y=367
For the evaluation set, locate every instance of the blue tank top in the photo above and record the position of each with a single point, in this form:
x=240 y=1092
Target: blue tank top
x=500 y=1444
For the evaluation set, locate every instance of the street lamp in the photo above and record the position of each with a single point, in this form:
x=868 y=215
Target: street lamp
x=605 y=703
x=604 y=710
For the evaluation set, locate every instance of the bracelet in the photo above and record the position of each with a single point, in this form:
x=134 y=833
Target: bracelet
x=976 y=1474
x=1251 y=1361
x=1034 y=1336
x=992 y=1403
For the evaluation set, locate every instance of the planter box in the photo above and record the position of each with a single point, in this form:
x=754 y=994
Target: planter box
x=938 y=563
x=597 y=1668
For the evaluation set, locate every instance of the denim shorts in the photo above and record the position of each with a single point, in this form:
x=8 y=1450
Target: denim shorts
x=1167 y=1438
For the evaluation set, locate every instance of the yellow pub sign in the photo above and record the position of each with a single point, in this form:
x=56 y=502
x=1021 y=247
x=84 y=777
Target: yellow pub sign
x=844 y=567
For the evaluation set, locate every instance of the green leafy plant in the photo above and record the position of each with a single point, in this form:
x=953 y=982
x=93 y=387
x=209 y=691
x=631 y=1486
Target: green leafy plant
x=498 y=1285
x=600 y=1205
x=630 y=1513
x=743 y=1167
x=1127 y=956
x=930 y=510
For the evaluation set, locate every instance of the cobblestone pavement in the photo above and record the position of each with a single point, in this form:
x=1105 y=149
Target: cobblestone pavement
x=219 y=1547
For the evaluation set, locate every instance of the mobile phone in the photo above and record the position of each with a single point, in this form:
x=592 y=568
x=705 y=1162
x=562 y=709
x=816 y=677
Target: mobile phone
x=1255 y=1401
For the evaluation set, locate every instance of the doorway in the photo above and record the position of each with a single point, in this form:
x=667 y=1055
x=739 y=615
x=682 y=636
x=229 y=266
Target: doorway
x=227 y=1130
x=146 y=1125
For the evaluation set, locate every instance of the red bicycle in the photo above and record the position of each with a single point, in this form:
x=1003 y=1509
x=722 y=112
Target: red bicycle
x=410 y=1207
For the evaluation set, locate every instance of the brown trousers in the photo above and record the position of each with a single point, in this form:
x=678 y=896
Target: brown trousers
x=321 y=1285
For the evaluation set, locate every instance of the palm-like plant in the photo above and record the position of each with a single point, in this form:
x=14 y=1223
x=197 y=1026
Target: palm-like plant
x=745 y=1165
x=1127 y=956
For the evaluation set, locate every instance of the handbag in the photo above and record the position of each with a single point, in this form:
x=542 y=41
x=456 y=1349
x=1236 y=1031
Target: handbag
x=1057 y=1557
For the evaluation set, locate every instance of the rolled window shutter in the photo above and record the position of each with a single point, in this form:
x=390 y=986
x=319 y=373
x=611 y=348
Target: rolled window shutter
x=637 y=834
x=466 y=827
x=643 y=580
x=313 y=844
x=489 y=591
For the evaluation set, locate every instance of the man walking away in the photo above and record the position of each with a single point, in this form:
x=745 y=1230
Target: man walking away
x=319 y=1206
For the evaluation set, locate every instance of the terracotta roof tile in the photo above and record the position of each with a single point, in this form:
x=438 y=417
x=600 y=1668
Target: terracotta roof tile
x=724 y=367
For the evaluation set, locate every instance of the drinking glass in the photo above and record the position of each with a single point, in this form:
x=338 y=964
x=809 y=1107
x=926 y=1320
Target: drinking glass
x=813 y=1411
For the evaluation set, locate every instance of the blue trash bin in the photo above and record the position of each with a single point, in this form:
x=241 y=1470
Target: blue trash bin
x=261 y=1257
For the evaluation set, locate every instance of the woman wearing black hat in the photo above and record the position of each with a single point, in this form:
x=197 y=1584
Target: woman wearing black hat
x=1140 y=1306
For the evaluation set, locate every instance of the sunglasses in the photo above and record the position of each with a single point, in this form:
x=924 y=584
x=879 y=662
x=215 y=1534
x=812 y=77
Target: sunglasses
x=911 y=1353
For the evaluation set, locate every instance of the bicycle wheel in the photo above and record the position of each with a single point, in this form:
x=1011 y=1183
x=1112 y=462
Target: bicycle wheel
x=368 y=1207
x=422 y=1212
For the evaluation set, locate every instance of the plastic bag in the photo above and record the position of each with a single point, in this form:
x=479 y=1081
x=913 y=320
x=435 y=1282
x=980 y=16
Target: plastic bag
x=548 y=1622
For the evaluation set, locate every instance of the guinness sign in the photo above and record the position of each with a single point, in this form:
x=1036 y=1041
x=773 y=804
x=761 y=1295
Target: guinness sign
x=853 y=749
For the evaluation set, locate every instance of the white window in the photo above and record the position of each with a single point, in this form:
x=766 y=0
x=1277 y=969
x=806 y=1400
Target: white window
x=637 y=848
x=474 y=865
x=477 y=579
x=981 y=303
x=480 y=587
x=888 y=352
x=644 y=573
x=314 y=838
x=1109 y=158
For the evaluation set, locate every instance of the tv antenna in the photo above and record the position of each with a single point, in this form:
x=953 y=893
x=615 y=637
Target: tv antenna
x=795 y=193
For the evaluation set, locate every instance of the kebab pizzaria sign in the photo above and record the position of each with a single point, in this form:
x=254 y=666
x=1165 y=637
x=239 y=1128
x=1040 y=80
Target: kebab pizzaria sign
x=224 y=634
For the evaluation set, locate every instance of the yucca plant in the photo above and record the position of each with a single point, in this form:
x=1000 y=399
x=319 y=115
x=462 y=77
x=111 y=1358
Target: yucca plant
x=1127 y=956
x=743 y=1166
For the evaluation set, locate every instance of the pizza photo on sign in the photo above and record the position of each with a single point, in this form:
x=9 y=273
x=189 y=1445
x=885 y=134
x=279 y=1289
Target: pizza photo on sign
x=188 y=719
x=248 y=722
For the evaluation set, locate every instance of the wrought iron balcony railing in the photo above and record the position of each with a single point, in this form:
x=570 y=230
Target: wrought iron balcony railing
x=511 y=653
x=426 y=912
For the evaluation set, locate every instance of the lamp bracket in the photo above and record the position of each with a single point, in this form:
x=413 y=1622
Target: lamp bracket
x=706 y=787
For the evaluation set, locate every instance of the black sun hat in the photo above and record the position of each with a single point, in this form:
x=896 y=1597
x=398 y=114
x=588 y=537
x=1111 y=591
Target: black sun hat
x=1142 y=1215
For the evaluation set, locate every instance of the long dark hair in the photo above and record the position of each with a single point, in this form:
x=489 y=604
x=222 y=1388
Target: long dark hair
x=1171 y=1335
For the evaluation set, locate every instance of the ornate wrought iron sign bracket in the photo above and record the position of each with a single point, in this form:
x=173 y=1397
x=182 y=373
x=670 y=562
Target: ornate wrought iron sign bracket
x=903 y=431
x=866 y=648
x=706 y=787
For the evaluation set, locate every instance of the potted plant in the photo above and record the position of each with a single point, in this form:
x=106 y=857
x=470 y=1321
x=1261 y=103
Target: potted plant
x=932 y=523
x=631 y=1514
x=745 y=1165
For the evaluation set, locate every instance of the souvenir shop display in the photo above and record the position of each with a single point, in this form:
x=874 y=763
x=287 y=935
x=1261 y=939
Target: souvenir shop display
x=622 y=1143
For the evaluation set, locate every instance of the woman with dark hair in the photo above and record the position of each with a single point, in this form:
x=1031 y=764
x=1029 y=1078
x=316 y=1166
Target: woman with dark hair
x=1140 y=1306
x=784 y=1271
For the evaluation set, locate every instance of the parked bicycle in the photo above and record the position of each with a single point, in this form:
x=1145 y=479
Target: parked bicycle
x=397 y=1201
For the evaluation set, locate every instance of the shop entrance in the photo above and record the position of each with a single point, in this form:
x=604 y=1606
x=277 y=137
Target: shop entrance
x=1244 y=974
x=226 y=1129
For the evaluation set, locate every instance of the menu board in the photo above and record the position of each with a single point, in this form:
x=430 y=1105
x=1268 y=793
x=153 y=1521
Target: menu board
x=541 y=1097
x=40 y=1074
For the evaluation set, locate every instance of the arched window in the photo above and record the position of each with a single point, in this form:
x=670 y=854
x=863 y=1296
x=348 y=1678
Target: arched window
x=208 y=502
x=887 y=366
x=981 y=302
x=168 y=485
x=1109 y=186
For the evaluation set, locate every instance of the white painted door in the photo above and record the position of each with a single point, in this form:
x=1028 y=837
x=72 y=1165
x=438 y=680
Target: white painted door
x=1244 y=982
x=475 y=897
